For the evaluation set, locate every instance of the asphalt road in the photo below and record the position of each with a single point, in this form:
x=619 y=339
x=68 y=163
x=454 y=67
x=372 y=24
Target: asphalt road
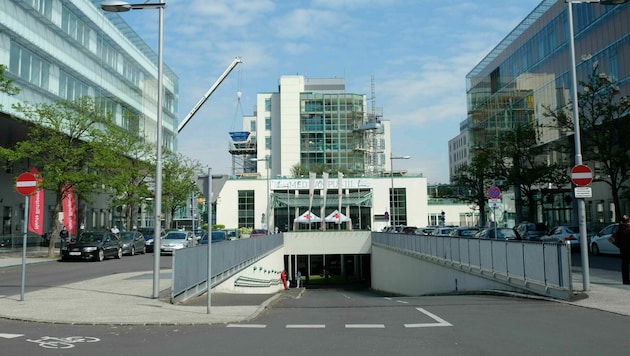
x=332 y=322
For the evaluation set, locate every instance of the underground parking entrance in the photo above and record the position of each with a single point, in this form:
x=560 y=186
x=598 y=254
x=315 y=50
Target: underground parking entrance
x=346 y=271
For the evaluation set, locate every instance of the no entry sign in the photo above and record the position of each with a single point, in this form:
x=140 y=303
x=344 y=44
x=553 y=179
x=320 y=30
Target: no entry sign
x=581 y=175
x=26 y=183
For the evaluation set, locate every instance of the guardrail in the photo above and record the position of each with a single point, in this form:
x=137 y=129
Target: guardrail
x=190 y=265
x=541 y=268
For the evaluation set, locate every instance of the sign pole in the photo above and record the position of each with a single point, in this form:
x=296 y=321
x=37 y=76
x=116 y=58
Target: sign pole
x=24 y=238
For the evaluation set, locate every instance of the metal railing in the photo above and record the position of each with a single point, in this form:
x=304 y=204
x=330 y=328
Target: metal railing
x=190 y=265
x=541 y=268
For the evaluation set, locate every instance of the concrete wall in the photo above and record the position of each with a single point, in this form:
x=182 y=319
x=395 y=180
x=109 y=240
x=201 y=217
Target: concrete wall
x=399 y=274
x=273 y=262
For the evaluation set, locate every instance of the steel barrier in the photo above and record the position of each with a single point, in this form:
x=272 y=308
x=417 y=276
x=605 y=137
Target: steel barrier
x=541 y=268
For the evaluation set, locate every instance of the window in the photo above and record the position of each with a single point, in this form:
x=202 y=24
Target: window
x=245 y=208
x=71 y=88
x=75 y=28
x=107 y=54
x=28 y=66
x=268 y=123
x=268 y=104
x=268 y=143
x=252 y=126
x=43 y=6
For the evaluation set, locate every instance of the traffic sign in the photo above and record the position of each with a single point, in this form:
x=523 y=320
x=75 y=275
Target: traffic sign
x=494 y=192
x=26 y=183
x=581 y=175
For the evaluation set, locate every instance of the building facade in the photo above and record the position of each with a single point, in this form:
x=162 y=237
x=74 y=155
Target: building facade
x=55 y=49
x=530 y=71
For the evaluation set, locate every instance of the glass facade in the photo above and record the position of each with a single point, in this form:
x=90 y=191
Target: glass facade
x=529 y=72
x=65 y=50
x=329 y=130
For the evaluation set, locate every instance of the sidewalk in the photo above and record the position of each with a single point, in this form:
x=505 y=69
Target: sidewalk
x=125 y=299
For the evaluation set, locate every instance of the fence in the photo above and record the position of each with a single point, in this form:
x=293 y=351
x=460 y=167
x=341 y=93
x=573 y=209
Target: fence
x=541 y=268
x=190 y=265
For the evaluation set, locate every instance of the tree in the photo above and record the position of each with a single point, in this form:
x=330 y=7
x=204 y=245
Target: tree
x=179 y=177
x=523 y=164
x=65 y=144
x=604 y=131
x=130 y=171
x=6 y=84
x=474 y=180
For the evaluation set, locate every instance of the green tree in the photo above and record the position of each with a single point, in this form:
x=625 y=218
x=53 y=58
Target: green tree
x=130 y=171
x=6 y=84
x=523 y=164
x=474 y=179
x=604 y=131
x=65 y=144
x=179 y=177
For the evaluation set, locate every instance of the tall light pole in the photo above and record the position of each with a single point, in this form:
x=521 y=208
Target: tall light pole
x=576 y=134
x=122 y=6
x=392 y=195
x=267 y=161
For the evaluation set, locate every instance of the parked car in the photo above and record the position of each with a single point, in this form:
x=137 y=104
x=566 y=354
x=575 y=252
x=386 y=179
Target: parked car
x=149 y=237
x=530 y=231
x=502 y=233
x=175 y=240
x=217 y=236
x=93 y=245
x=441 y=231
x=425 y=230
x=258 y=233
x=408 y=230
x=132 y=242
x=600 y=243
x=563 y=234
x=464 y=231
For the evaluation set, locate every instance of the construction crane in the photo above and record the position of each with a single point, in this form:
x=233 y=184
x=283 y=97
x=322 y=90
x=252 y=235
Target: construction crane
x=205 y=97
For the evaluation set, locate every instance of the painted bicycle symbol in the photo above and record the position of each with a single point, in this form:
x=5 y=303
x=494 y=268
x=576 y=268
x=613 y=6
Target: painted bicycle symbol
x=51 y=342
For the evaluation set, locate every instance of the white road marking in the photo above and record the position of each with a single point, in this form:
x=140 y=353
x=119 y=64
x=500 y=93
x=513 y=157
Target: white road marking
x=440 y=321
x=305 y=326
x=10 y=336
x=402 y=302
x=252 y=326
x=365 y=326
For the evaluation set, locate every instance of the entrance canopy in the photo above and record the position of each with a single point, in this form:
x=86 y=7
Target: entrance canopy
x=307 y=217
x=336 y=216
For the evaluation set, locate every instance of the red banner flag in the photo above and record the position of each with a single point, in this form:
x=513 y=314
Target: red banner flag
x=36 y=207
x=69 y=210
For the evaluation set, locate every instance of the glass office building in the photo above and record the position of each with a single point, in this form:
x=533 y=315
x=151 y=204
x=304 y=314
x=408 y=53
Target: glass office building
x=57 y=49
x=530 y=71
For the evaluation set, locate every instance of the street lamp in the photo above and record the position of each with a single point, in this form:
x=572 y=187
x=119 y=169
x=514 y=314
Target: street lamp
x=576 y=134
x=122 y=6
x=267 y=161
x=392 y=198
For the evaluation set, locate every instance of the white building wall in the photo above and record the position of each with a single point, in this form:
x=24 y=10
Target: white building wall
x=288 y=144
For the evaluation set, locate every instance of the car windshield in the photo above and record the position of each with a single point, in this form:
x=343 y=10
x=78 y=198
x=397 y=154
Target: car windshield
x=175 y=236
x=91 y=237
x=127 y=236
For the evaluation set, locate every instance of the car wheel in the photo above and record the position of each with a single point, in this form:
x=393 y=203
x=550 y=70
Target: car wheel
x=144 y=250
x=119 y=254
x=100 y=256
x=594 y=249
x=133 y=250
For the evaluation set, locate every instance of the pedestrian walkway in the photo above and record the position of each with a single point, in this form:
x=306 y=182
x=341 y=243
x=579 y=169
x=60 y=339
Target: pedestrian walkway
x=125 y=299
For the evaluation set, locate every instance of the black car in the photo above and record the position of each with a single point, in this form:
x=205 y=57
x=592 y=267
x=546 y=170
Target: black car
x=132 y=242
x=93 y=245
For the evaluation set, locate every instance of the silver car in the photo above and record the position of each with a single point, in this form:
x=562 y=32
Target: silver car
x=175 y=240
x=600 y=243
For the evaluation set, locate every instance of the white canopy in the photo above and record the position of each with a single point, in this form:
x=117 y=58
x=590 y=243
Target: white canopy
x=336 y=216
x=307 y=217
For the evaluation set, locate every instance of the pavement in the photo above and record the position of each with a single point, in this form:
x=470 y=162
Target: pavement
x=126 y=299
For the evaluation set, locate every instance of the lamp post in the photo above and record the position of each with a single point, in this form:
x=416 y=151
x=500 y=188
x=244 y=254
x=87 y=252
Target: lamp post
x=267 y=160
x=393 y=200
x=576 y=134
x=122 y=6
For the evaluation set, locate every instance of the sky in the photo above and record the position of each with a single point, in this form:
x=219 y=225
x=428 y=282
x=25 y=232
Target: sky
x=418 y=53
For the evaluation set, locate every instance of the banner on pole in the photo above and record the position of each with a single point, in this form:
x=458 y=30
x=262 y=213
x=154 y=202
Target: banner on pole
x=69 y=209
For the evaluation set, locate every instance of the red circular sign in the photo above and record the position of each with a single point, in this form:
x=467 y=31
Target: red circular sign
x=581 y=175
x=494 y=192
x=26 y=183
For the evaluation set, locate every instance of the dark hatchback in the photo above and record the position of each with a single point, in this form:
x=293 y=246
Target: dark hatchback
x=93 y=245
x=217 y=236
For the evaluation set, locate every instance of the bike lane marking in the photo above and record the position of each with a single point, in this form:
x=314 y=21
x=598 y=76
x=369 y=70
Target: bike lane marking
x=10 y=336
x=440 y=321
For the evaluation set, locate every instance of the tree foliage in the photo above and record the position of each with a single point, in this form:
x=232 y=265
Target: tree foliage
x=65 y=143
x=179 y=177
x=604 y=131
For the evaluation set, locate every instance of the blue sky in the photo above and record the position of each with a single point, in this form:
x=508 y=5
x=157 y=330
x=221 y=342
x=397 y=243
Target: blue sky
x=418 y=51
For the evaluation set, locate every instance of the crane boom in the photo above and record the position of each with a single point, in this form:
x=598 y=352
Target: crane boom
x=205 y=97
